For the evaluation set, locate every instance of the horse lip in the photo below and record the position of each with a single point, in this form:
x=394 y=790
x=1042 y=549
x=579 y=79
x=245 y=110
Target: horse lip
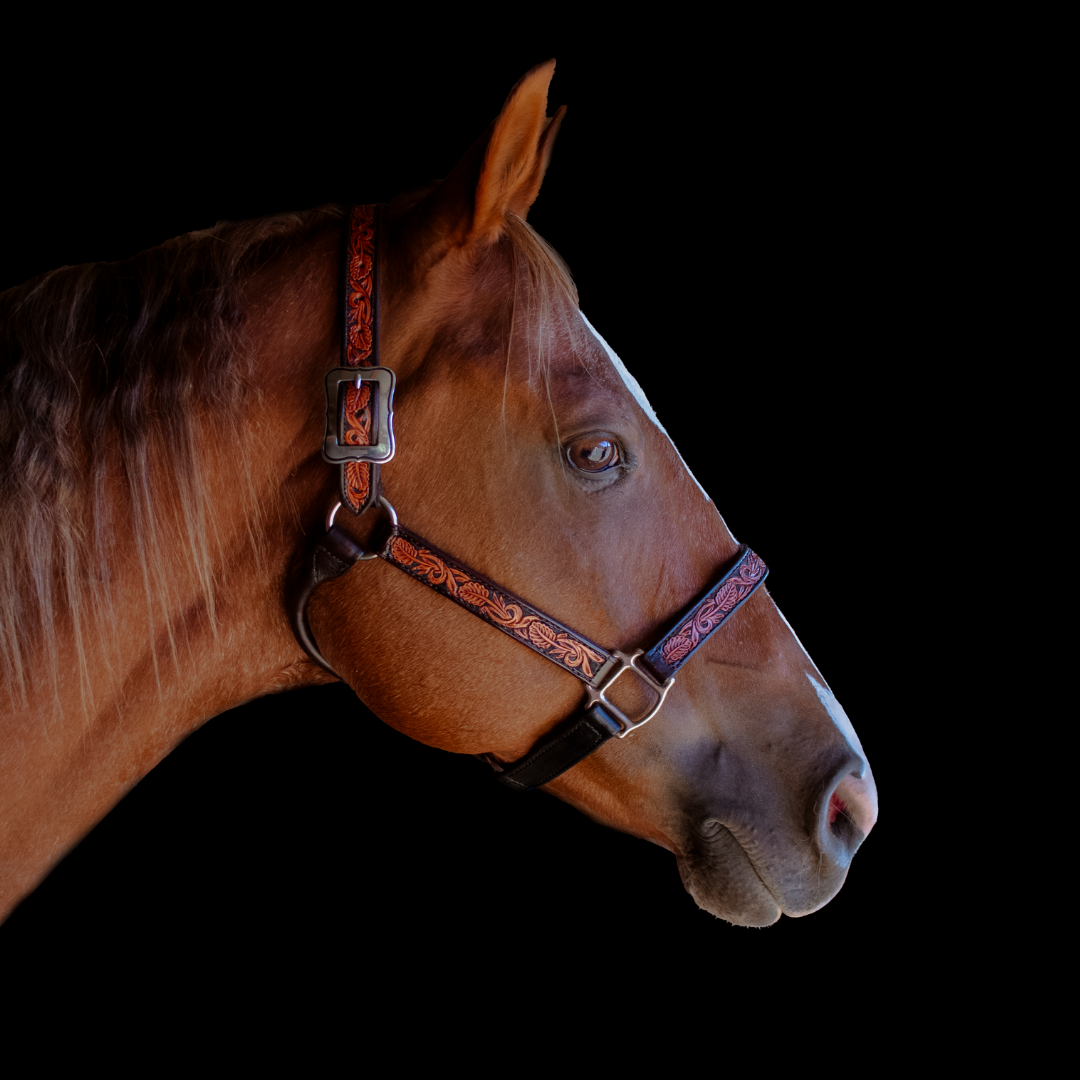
x=749 y=858
x=701 y=885
x=790 y=903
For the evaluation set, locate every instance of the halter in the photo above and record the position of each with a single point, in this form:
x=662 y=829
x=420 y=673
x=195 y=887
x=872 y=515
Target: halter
x=360 y=438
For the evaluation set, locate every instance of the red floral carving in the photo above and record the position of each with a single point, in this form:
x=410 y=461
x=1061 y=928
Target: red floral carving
x=357 y=483
x=541 y=635
x=501 y=612
x=558 y=644
x=358 y=415
x=714 y=610
x=473 y=593
x=402 y=550
x=675 y=649
x=358 y=309
x=359 y=328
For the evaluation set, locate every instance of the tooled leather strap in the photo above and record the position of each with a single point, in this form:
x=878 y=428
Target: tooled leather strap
x=336 y=552
x=707 y=615
x=591 y=726
x=495 y=605
x=359 y=348
x=508 y=612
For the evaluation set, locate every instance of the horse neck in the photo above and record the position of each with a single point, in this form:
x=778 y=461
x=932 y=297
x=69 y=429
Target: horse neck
x=101 y=710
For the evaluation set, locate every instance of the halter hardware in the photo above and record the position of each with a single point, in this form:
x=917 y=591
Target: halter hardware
x=626 y=662
x=336 y=449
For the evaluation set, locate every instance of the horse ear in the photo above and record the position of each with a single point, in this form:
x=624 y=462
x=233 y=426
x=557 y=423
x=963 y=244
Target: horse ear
x=501 y=173
x=517 y=153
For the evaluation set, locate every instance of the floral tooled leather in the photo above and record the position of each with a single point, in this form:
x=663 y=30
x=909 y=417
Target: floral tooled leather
x=359 y=341
x=358 y=433
x=359 y=310
x=713 y=611
x=503 y=610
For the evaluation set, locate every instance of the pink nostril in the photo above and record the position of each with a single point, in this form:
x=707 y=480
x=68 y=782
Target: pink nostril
x=856 y=798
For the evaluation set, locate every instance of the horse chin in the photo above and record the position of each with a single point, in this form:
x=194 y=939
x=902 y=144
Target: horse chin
x=722 y=880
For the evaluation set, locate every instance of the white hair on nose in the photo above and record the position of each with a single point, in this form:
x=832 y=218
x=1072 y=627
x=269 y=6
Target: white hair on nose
x=839 y=718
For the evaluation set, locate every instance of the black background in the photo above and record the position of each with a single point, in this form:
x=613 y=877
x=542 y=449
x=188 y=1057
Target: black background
x=744 y=217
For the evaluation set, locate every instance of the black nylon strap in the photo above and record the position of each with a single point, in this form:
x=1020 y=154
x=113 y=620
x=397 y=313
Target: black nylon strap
x=564 y=747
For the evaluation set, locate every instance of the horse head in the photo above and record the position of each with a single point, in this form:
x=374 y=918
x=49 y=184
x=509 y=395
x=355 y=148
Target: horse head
x=160 y=432
x=527 y=450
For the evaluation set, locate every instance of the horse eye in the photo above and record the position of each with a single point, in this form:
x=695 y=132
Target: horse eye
x=593 y=453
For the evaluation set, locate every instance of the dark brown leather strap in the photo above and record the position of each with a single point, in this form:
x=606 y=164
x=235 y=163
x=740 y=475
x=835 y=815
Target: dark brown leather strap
x=495 y=605
x=359 y=348
x=591 y=726
x=587 y=730
x=329 y=558
x=707 y=615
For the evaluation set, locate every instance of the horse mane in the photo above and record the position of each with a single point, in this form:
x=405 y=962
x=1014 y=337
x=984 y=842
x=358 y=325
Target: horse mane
x=106 y=372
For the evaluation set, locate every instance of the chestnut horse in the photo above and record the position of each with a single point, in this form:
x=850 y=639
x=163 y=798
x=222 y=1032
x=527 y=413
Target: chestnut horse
x=162 y=425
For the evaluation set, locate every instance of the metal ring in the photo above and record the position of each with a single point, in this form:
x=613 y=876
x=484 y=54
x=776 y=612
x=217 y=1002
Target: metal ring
x=386 y=505
x=389 y=509
x=393 y=524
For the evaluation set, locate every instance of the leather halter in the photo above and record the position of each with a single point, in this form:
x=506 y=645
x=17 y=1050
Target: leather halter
x=359 y=437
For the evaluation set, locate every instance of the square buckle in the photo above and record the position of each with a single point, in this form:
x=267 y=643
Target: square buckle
x=381 y=449
x=626 y=663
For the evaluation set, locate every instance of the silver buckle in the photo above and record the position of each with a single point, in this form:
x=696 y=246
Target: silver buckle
x=381 y=448
x=626 y=663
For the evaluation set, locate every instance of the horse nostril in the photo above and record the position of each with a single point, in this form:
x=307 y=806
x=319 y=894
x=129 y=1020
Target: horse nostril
x=852 y=808
x=841 y=827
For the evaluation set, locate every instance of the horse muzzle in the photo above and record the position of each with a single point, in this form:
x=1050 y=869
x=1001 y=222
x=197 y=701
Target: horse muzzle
x=750 y=866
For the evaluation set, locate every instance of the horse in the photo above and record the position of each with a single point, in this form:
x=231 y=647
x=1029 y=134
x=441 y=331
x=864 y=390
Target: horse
x=164 y=487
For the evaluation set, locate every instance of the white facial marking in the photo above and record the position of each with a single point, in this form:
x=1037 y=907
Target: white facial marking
x=839 y=718
x=825 y=695
x=639 y=396
x=791 y=630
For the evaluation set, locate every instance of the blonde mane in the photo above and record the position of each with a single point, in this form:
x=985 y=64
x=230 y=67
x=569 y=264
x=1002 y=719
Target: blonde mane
x=106 y=371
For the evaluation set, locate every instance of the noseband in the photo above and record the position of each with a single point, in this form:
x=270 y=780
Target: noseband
x=359 y=438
